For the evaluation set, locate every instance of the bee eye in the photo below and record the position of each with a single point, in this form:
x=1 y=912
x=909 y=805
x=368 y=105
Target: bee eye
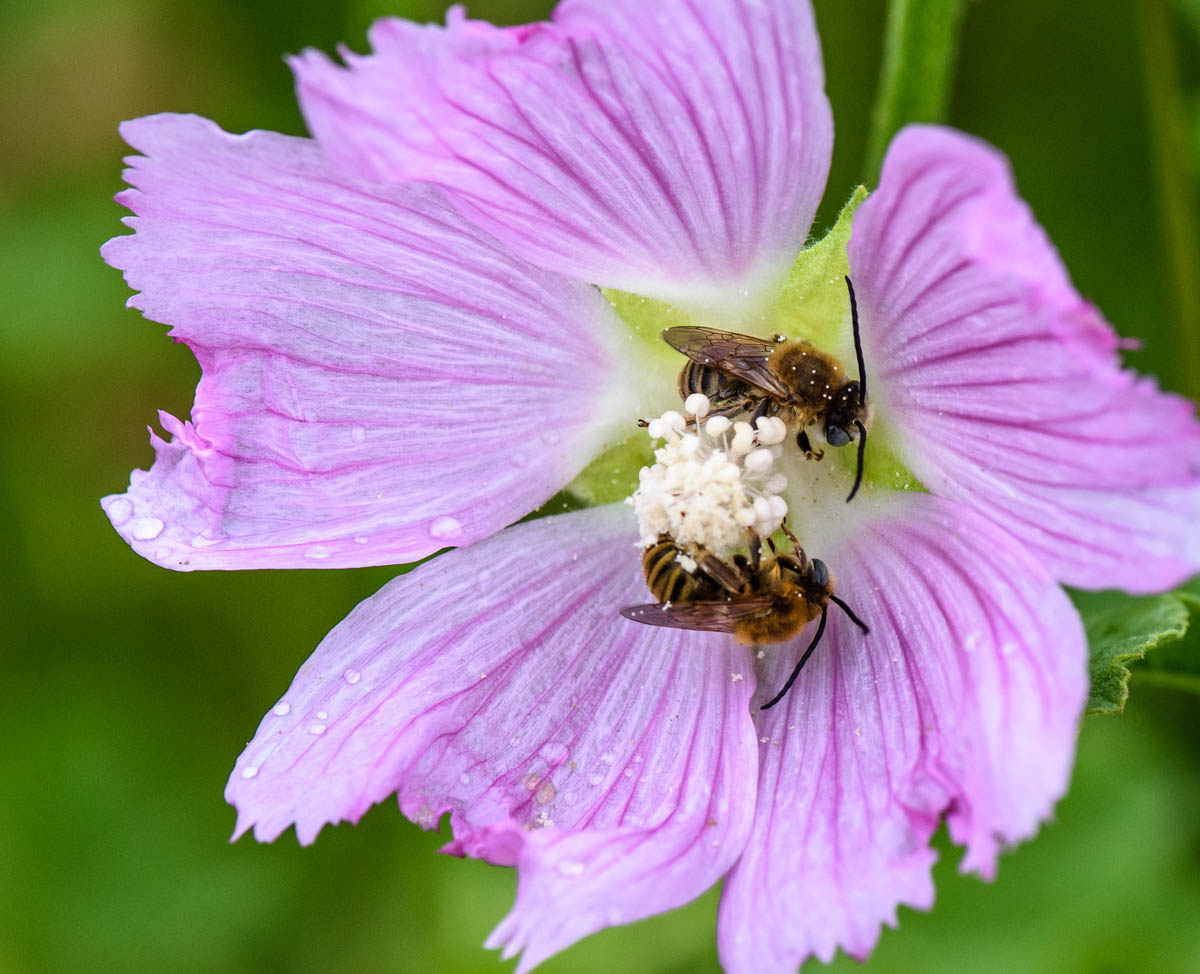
x=836 y=436
x=820 y=573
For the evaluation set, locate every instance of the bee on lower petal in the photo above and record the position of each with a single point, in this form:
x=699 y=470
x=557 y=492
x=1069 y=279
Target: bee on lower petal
x=742 y=375
x=757 y=600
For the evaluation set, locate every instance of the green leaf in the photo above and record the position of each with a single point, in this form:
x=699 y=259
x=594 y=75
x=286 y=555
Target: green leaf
x=1121 y=629
x=919 y=50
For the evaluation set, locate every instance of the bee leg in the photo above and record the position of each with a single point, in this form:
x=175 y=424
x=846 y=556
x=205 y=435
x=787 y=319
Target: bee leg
x=643 y=423
x=796 y=546
x=760 y=411
x=805 y=444
x=803 y=659
x=755 y=551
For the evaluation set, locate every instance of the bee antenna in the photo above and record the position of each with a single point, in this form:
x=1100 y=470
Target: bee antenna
x=858 y=352
x=803 y=659
x=850 y=612
x=862 y=448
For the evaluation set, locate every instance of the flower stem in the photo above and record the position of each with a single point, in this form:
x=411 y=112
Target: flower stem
x=1175 y=184
x=919 y=47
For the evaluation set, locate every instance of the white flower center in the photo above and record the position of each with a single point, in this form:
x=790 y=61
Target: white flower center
x=711 y=482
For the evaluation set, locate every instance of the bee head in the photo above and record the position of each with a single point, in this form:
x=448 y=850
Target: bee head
x=819 y=572
x=847 y=406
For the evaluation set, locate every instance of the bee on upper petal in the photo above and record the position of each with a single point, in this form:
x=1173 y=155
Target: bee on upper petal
x=742 y=375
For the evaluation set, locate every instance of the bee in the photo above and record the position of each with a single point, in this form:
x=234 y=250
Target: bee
x=744 y=375
x=757 y=600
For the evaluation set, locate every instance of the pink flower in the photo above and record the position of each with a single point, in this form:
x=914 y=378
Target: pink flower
x=403 y=348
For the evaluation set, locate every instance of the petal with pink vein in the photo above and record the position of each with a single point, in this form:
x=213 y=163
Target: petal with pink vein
x=674 y=149
x=380 y=378
x=1004 y=384
x=962 y=701
x=614 y=764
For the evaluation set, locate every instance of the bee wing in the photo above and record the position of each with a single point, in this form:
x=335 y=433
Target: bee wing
x=739 y=356
x=705 y=616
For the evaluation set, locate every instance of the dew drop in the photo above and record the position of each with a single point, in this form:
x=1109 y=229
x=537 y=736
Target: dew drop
x=628 y=772
x=317 y=551
x=316 y=728
x=200 y=541
x=608 y=757
x=120 y=511
x=352 y=676
x=282 y=709
x=357 y=434
x=322 y=715
x=546 y=793
x=146 y=528
x=464 y=779
x=595 y=779
x=1008 y=648
x=571 y=867
x=162 y=554
x=249 y=771
x=361 y=539
x=554 y=752
x=551 y=437
x=445 y=528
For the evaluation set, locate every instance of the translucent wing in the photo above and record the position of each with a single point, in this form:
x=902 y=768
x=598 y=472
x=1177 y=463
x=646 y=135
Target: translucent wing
x=706 y=616
x=739 y=356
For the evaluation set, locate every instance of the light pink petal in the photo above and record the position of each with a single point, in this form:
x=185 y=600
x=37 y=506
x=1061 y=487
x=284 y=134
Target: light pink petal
x=1005 y=385
x=613 y=763
x=963 y=700
x=675 y=149
x=381 y=379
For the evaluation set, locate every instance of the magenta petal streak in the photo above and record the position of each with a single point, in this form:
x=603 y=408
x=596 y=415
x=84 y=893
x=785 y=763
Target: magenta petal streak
x=380 y=378
x=1004 y=384
x=675 y=149
x=614 y=764
x=963 y=700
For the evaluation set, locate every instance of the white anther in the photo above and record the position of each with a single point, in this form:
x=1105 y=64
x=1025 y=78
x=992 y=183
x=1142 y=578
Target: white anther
x=729 y=473
x=771 y=430
x=775 y=484
x=673 y=420
x=779 y=507
x=656 y=429
x=717 y=425
x=690 y=446
x=745 y=517
x=743 y=439
x=762 y=509
x=759 y=461
x=697 y=404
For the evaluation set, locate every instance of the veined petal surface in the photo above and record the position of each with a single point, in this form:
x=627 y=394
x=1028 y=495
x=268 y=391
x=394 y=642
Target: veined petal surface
x=963 y=700
x=614 y=764
x=380 y=378
x=676 y=149
x=1005 y=385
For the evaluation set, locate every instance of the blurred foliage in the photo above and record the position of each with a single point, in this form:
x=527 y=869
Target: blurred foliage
x=129 y=690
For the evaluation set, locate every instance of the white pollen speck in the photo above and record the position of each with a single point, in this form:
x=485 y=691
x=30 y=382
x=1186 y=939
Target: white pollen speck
x=445 y=528
x=595 y=779
x=546 y=793
x=146 y=528
x=553 y=752
x=357 y=434
x=282 y=709
x=119 y=511
x=765 y=740
x=322 y=715
x=571 y=867
x=737 y=677
x=464 y=779
x=608 y=757
x=249 y=771
x=352 y=676
x=316 y=728
x=858 y=732
x=761 y=654
x=317 y=551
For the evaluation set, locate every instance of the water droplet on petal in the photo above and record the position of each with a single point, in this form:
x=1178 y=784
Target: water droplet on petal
x=322 y=715
x=282 y=709
x=120 y=511
x=551 y=436
x=249 y=771
x=464 y=779
x=317 y=551
x=361 y=539
x=358 y=434
x=595 y=779
x=608 y=757
x=546 y=793
x=146 y=528
x=445 y=528
x=554 y=752
x=352 y=676
x=571 y=867
x=316 y=728
x=162 y=554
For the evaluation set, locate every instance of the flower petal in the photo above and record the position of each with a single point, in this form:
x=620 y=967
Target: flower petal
x=380 y=378
x=613 y=763
x=674 y=149
x=1005 y=385
x=962 y=701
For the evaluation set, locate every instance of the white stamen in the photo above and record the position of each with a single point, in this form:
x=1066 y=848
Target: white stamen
x=743 y=438
x=697 y=404
x=759 y=461
x=718 y=425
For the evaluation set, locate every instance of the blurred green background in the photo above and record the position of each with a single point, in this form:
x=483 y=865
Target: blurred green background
x=127 y=691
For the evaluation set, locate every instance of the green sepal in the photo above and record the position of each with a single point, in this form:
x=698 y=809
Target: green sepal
x=1121 y=629
x=613 y=475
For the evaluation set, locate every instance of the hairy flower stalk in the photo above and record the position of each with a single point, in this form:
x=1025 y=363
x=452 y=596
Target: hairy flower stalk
x=449 y=252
